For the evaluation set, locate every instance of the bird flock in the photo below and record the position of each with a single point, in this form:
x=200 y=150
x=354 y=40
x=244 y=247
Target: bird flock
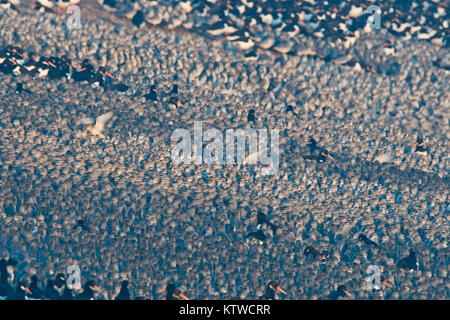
x=15 y=62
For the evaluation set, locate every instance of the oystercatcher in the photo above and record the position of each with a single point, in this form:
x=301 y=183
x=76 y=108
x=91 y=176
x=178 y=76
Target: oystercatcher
x=409 y=263
x=312 y=145
x=258 y=235
x=85 y=73
x=6 y=290
x=22 y=291
x=30 y=67
x=310 y=252
x=362 y=237
x=50 y=292
x=102 y=78
x=420 y=147
x=251 y=116
x=152 y=95
x=89 y=290
x=173 y=293
x=82 y=225
x=138 y=19
x=42 y=8
x=290 y=108
x=19 y=88
x=261 y=219
x=121 y=88
x=321 y=157
x=341 y=291
x=124 y=293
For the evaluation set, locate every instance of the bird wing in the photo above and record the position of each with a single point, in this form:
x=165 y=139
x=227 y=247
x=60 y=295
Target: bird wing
x=86 y=121
x=100 y=121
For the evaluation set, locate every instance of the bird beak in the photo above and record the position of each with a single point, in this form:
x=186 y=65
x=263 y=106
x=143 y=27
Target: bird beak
x=415 y=144
x=109 y=74
x=179 y=103
x=81 y=69
x=387 y=284
x=229 y=6
x=252 y=218
x=73 y=65
x=95 y=288
x=51 y=64
x=182 y=296
x=281 y=290
x=26 y=289
x=330 y=157
x=347 y=293
x=34 y=5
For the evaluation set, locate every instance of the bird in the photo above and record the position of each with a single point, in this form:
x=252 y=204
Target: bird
x=19 y=88
x=100 y=121
x=86 y=72
x=152 y=95
x=310 y=252
x=176 y=101
x=9 y=4
x=36 y=292
x=82 y=225
x=271 y=290
x=124 y=293
x=138 y=19
x=22 y=291
x=290 y=108
x=362 y=237
x=121 y=88
x=409 y=263
x=40 y=7
x=30 y=67
x=50 y=293
x=173 y=293
x=321 y=157
x=101 y=78
x=61 y=283
x=6 y=290
x=312 y=145
x=64 y=66
x=89 y=290
x=259 y=235
x=251 y=116
x=261 y=219
x=174 y=90
x=341 y=291
x=420 y=147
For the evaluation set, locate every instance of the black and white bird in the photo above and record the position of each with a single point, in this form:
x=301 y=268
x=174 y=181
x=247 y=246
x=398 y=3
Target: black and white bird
x=409 y=263
x=124 y=293
x=420 y=147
